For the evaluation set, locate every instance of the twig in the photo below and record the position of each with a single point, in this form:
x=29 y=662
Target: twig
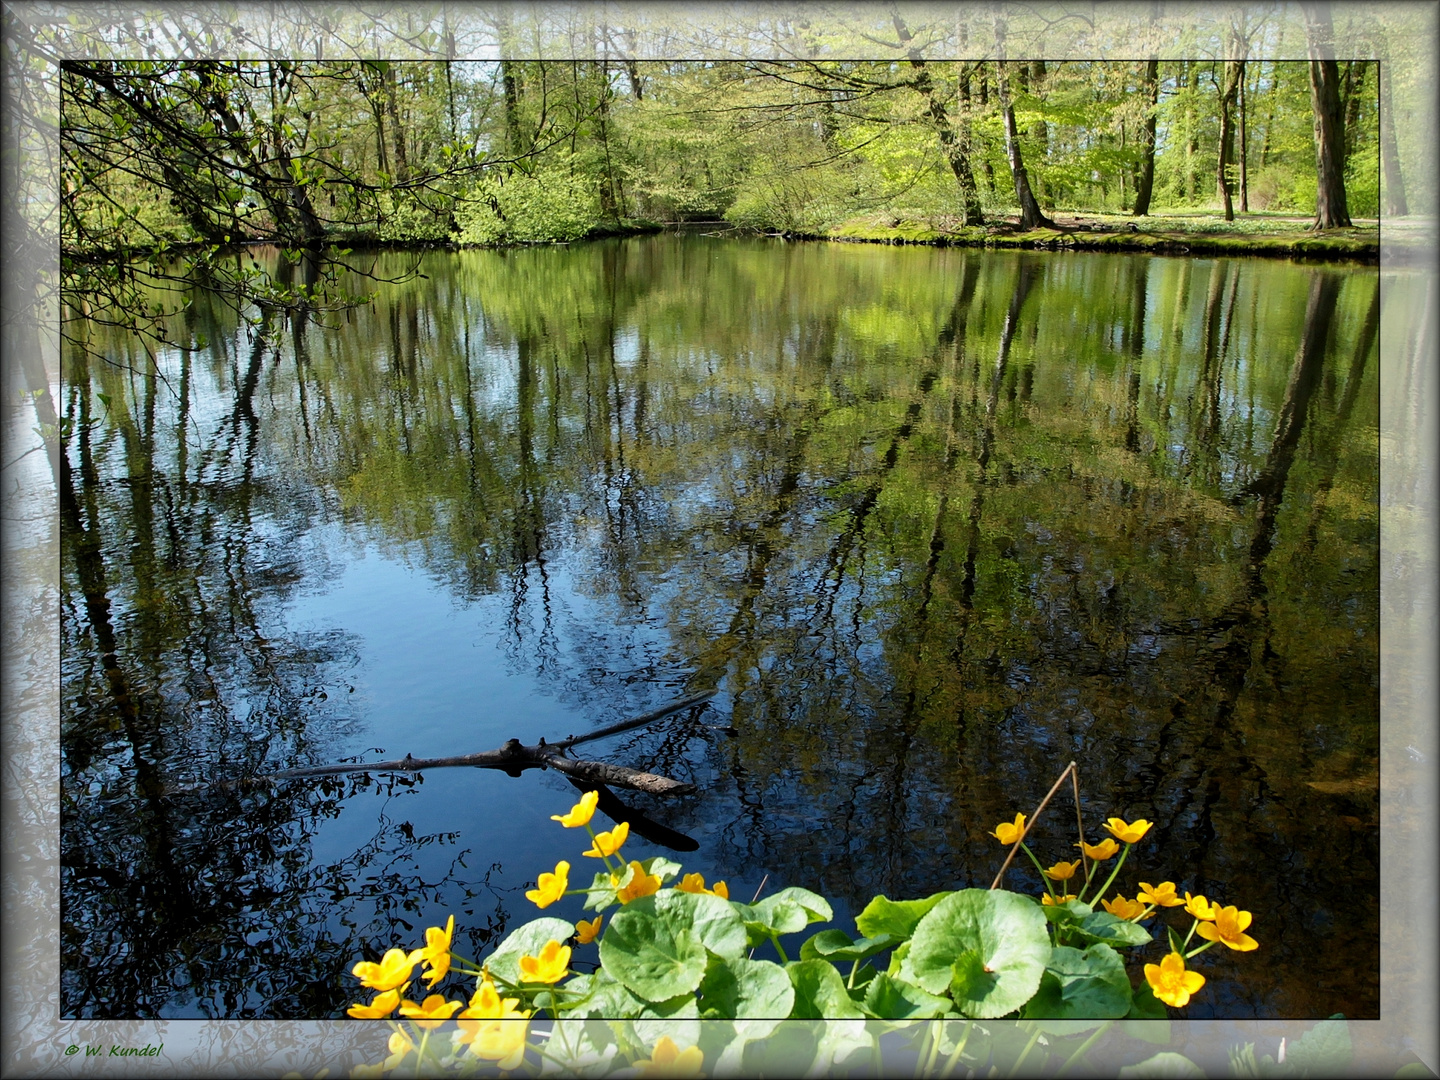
x=1069 y=769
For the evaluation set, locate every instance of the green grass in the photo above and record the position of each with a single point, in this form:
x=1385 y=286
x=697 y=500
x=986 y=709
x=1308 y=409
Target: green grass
x=1173 y=232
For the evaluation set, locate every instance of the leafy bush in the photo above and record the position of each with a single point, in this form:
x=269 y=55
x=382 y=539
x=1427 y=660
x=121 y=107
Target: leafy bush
x=553 y=204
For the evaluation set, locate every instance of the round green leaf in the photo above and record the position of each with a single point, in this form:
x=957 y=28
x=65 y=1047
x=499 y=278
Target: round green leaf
x=819 y=992
x=835 y=945
x=712 y=919
x=741 y=989
x=650 y=955
x=1101 y=926
x=892 y=999
x=1167 y=1065
x=527 y=940
x=1081 y=986
x=898 y=917
x=988 y=946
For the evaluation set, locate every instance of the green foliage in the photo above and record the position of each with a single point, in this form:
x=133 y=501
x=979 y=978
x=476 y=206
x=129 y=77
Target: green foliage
x=553 y=204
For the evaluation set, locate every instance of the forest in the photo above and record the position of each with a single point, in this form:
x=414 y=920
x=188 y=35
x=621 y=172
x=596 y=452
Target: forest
x=303 y=153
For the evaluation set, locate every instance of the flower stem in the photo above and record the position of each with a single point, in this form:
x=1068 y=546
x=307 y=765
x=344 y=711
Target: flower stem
x=954 y=1057
x=1197 y=952
x=1118 y=864
x=1048 y=886
x=1015 y=1070
x=1083 y=1047
x=775 y=940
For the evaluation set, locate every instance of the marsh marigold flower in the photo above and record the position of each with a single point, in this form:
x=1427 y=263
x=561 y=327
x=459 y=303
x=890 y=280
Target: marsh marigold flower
x=487 y=1004
x=641 y=884
x=1162 y=895
x=667 y=1059
x=391 y=972
x=432 y=1013
x=1122 y=908
x=1106 y=849
x=501 y=1041
x=1229 y=929
x=580 y=813
x=1200 y=907
x=1048 y=902
x=721 y=890
x=381 y=1005
x=1170 y=981
x=1127 y=834
x=1063 y=871
x=586 y=932
x=695 y=883
x=608 y=843
x=551 y=886
x=400 y=1045
x=436 y=952
x=549 y=967
x=1008 y=833
x=368 y=1072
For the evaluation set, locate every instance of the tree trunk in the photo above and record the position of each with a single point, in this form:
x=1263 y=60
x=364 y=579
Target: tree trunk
x=1352 y=86
x=510 y=78
x=1192 y=142
x=1331 y=211
x=1145 y=182
x=397 y=129
x=985 y=166
x=956 y=148
x=1395 y=203
x=1227 y=135
x=1244 y=149
x=1031 y=216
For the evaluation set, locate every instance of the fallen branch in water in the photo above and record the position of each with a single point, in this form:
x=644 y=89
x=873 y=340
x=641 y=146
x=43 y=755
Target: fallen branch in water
x=514 y=757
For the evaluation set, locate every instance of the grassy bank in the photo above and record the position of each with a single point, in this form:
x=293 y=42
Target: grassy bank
x=1284 y=236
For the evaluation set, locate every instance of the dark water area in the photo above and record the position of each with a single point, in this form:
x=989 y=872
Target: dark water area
x=933 y=523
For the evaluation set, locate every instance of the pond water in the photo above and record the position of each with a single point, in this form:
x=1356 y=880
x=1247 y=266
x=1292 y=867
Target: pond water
x=932 y=522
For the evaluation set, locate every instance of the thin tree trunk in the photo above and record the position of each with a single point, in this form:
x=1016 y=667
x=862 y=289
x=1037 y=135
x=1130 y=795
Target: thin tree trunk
x=956 y=147
x=1145 y=182
x=1244 y=149
x=1227 y=135
x=1331 y=211
x=1395 y=203
x=1031 y=216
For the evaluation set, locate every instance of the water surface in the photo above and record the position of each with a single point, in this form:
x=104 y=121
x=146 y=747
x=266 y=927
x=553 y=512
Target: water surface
x=933 y=522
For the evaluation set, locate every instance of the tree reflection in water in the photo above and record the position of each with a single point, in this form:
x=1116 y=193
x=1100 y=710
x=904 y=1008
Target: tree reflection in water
x=934 y=521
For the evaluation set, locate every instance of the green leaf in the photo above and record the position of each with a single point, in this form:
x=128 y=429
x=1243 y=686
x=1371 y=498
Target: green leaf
x=819 y=992
x=835 y=945
x=1066 y=913
x=789 y=1051
x=786 y=912
x=601 y=893
x=989 y=946
x=1324 y=1050
x=1146 y=1006
x=651 y=955
x=896 y=917
x=892 y=999
x=712 y=919
x=1153 y=1029
x=1166 y=1065
x=527 y=940
x=1102 y=927
x=660 y=867
x=1081 y=985
x=735 y=988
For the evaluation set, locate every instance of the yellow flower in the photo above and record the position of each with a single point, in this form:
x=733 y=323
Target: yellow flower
x=486 y=1004
x=1063 y=871
x=1122 y=908
x=434 y=1012
x=1229 y=929
x=580 y=813
x=368 y=1072
x=552 y=886
x=721 y=890
x=549 y=966
x=382 y=1005
x=586 y=932
x=1007 y=833
x=641 y=884
x=1129 y=834
x=393 y=970
x=1162 y=895
x=607 y=843
x=501 y=1040
x=1048 y=902
x=1106 y=849
x=1170 y=981
x=436 y=952
x=400 y=1045
x=1200 y=907
x=694 y=883
x=667 y=1059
